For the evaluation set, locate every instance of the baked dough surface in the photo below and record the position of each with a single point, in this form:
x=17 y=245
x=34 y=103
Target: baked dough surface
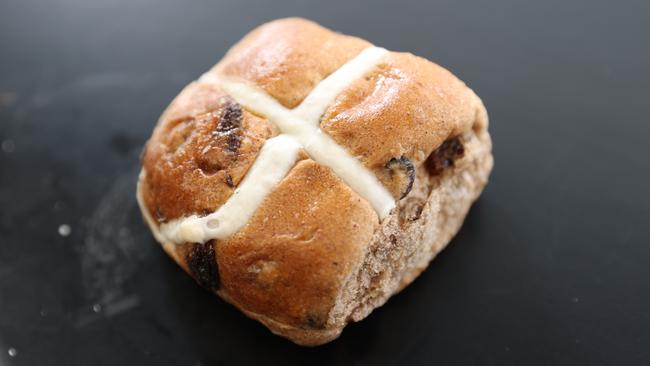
x=315 y=255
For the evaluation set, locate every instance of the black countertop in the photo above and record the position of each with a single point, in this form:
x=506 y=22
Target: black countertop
x=551 y=267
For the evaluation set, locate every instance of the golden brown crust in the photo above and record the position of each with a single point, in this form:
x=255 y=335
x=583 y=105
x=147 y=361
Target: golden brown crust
x=314 y=256
x=200 y=150
x=405 y=108
x=398 y=251
x=294 y=256
x=288 y=57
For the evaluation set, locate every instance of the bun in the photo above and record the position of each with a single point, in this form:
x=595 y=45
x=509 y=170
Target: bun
x=309 y=175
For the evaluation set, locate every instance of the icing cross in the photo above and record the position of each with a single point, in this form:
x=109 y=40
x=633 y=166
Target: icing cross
x=299 y=130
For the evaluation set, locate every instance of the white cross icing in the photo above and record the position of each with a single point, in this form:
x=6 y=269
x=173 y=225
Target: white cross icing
x=300 y=129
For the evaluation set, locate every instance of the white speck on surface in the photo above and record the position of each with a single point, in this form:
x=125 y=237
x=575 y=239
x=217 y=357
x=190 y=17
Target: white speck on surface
x=8 y=146
x=97 y=308
x=43 y=312
x=65 y=230
x=575 y=299
x=12 y=352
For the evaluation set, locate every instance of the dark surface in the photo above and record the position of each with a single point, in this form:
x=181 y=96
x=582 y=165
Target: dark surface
x=551 y=267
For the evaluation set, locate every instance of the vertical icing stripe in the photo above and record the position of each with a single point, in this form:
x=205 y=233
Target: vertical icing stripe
x=323 y=95
x=327 y=152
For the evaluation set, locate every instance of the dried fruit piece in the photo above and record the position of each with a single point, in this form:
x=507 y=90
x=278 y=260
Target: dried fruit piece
x=402 y=176
x=445 y=155
x=229 y=181
x=229 y=125
x=203 y=266
x=226 y=139
x=231 y=116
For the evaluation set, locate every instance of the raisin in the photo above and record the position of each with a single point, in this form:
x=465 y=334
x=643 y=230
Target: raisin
x=203 y=266
x=229 y=181
x=445 y=155
x=229 y=125
x=402 y=173
x=233 y=141
x=231 y=116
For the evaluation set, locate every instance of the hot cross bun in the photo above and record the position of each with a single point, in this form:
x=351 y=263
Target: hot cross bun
x=310 y=175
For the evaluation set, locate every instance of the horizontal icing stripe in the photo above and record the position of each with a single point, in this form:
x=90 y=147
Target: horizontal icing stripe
x=274 y=161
